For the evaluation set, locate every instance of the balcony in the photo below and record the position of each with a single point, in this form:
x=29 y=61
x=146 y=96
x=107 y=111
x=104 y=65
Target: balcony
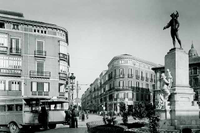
x=142 y=78
x=40 y=53
x=147 y=79
x=120 y=76
x=62 y=76
x=14 y=51
x=63 y=57
x=130 y=75
x=40 y=93
x=62 y=94
x=3 y=50
x=10 y=72
x=40 y=74
x=151 y=80
x=137 y=77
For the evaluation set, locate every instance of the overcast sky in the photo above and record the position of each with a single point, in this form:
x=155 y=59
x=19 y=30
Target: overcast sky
x=101 y=29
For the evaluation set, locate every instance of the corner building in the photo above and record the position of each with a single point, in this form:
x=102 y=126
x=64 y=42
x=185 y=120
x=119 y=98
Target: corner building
x=34 y=58
x=128 y=79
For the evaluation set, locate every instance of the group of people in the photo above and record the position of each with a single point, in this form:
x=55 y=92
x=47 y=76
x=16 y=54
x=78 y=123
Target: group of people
x=72 y=116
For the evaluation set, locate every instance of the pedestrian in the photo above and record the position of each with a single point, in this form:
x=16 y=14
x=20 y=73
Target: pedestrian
x=67 y=116
x=44 y=117
x=83 y=116
x=86 y=114
x=76 y=115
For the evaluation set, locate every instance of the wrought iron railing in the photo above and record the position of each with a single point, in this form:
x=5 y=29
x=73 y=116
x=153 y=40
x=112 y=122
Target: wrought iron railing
x=40 y=53
x=40 y=74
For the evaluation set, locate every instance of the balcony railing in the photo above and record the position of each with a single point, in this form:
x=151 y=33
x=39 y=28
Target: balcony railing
x=142 y=78
x=3 y=50
x=137 y=77
x=40 y=53
x=40 y=93
x=62 y=76
x=40 y=74
x=10 y=72
x=147 y=79
x=15 y=51
x=130 y=75
x=62 y=94
x=151 y=80
x=63 y=57
x=120 y=76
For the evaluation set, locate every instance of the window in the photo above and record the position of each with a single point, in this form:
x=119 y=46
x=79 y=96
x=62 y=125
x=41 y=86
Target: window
x=40 y=47
x=40 y=86
x=130 y=95
x=2 y=25
x=115 y=73
x=46 y=87
x=2 y=85
x=121 y=72
x=3 y=40
x=15 y=45
x=15 y=27
x=34 y=86
x=10 y=107
x=18 y=107
x=10 y=62
x=61 y=87
x=63 y=47
x=147 y=86
x=14 y=85
x=63 y=67
x=121 y=95
x=121 y=83
x=130 y=72
x=2 y=108
x=40 y=67
x=195 y=70
x=137 y=84
x=130 y=83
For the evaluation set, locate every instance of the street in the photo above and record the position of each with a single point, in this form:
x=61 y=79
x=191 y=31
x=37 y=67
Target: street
x=81 y=129
x=65 y=128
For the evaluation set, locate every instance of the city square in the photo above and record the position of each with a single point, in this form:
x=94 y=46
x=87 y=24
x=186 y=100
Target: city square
x=99 y=66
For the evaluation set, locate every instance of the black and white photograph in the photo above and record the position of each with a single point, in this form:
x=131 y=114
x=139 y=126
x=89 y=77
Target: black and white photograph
x=99 y=66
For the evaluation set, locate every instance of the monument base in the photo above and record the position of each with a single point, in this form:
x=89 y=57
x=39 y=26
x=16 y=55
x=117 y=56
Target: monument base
x=184 y=111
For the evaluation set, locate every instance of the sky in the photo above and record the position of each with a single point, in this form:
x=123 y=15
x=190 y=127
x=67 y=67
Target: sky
x=98 y=30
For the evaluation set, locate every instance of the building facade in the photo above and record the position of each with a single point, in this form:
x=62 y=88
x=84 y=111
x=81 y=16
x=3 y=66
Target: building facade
x=194 y=73
x=128 y=79
x=34 y=58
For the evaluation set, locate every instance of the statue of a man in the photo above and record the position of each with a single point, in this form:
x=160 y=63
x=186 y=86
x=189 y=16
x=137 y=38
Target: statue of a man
x=174 y=24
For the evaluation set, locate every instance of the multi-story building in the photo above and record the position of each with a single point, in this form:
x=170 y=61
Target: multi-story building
x=194 y=73
x=34 y=58
x=128 y=79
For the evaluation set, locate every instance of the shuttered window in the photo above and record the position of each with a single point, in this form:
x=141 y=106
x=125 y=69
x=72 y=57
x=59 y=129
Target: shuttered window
x=14 y=86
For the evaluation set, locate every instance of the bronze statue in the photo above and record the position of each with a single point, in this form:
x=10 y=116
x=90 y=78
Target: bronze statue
x=174 y=24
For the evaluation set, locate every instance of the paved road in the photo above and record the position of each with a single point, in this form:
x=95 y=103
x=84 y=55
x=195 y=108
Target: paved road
x=65 y=128
x=81 y=129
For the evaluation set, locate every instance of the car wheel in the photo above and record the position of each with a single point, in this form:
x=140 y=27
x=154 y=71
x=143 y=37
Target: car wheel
x=13 y=128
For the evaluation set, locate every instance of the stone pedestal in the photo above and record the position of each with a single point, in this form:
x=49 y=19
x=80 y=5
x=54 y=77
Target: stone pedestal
x=184 y=112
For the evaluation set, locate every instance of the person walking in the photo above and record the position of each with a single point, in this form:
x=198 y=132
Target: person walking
x=76 y=115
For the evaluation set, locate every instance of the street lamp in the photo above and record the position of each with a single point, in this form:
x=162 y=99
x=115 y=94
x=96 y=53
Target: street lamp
x=72 y=81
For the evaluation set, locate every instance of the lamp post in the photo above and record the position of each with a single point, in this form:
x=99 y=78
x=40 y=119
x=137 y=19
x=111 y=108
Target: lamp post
x=72 y=81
